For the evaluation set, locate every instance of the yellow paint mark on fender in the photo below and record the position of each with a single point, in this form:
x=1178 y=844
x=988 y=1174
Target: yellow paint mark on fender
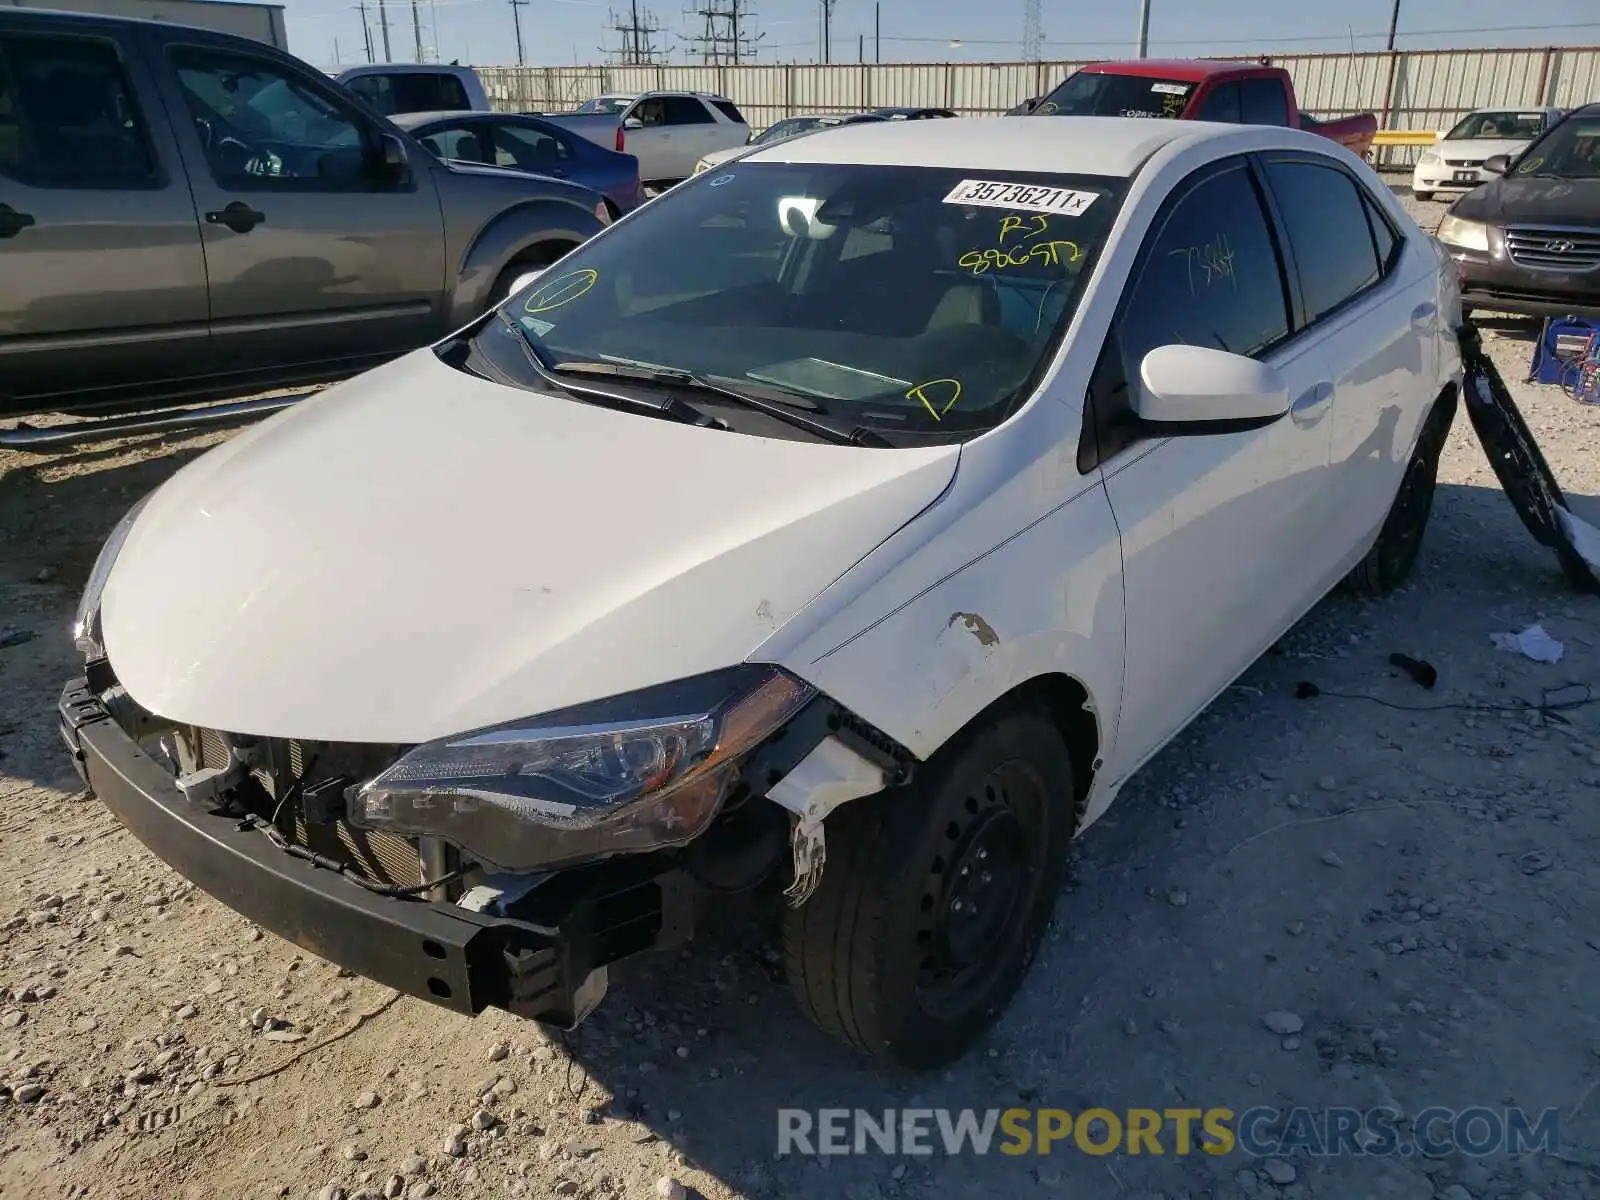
x=562 y=290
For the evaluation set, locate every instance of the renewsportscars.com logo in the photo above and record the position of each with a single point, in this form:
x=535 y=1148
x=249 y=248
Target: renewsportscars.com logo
x=1259 y=1132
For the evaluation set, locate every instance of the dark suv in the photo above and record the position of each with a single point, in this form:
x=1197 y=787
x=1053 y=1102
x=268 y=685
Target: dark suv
x=1529 y=241
x=186 y=215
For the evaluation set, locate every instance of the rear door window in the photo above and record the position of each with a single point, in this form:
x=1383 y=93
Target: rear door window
x=412 y=91
x=1326 y=218
x=465 y=143
x=1262 y=101
x=528 y=148
x=1221 y=103
x=685 y=110
x=68 y=116
x=728 y=109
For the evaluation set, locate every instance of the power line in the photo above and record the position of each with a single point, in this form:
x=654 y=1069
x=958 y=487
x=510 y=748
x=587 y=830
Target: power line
x=725 y=36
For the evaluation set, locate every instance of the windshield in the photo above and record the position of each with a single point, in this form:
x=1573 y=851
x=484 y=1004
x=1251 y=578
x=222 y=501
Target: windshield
x=1089 y=94
x=1519 y=126
x=793 y=127
x=902 y=299
x=1571 y=150
x=610 y=105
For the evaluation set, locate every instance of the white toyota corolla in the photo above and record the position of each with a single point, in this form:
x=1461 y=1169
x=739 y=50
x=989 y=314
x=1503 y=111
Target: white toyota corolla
x=856 y=520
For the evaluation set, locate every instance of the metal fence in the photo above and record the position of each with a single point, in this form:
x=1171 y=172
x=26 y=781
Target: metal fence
x=1411 y=89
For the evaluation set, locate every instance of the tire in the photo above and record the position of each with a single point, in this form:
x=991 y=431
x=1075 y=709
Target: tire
x=1423 y=196
x=934 y=896
x=1389 y=561
x=542 y=257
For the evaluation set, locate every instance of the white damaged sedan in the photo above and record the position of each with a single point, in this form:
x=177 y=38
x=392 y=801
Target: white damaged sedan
x=853 y=520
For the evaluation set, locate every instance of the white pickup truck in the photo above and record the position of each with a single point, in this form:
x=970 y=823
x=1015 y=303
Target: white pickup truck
x=668 y=132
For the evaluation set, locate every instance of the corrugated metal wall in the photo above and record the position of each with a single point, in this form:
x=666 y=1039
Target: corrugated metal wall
x=1426 y=89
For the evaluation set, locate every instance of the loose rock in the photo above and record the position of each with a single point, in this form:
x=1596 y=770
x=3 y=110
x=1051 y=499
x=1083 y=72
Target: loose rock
x=1332 y=859
x=455 y=1142
x=1280 y=1172
x=1283 y=1022
x=668 y=1188
x=367 y=1100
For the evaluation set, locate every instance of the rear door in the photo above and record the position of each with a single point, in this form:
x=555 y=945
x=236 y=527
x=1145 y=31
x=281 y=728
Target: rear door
x=1369 y=303
x=1220 y=103
x=315 y=254
x=1264 y=100
x=102 y=279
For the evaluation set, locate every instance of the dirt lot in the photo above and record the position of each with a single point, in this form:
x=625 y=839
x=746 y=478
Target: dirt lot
x=1419 y=888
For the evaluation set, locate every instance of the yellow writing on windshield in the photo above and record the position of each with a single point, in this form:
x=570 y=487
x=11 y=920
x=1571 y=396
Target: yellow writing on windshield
x=938 y=396
x=1025 y=249
x=564 y=289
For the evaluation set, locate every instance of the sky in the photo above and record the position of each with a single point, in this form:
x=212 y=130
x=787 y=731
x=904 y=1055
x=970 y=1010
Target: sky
x=566 y=32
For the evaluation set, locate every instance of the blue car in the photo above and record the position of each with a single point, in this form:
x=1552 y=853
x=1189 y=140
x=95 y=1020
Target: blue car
x=525 y=143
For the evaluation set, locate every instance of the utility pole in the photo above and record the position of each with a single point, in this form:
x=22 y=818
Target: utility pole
x=416 y=27
x=1394 y=23
x=1144 y=28
x=877 y=32
x=636 y=34
x=338 y=59
x=366 y=30
x=827 y=30
x=1033 y=31
x=516 y=20
x=383 y=22
x=725 y=36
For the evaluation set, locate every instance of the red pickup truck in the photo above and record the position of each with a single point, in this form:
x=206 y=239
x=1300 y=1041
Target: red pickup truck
x=1195 y=90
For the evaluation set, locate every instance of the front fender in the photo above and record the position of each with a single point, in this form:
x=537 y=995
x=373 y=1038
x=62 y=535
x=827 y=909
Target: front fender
x=521 y=229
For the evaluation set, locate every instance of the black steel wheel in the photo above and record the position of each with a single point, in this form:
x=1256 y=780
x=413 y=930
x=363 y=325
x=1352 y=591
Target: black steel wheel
x=934 y=896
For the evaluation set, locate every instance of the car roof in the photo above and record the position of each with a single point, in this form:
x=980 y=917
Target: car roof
x=1114 y=146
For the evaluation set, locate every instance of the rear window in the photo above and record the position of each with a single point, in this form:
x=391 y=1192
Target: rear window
x=908 y=299
x=729 y=110
x=1091 y=94
x=411 y=91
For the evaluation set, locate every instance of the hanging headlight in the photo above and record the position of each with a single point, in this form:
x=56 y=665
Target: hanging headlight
x=633 y=773
x=86 y=622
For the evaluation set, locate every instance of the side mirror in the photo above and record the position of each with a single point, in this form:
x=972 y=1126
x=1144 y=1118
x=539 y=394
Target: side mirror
x=633 y=123
x=1195 y=389
x=522 y=281
x=1497 y=164
x=393 y=161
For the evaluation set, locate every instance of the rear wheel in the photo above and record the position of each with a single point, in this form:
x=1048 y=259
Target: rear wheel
x=1423 y=196
x=934 y=896
x=1392 y=556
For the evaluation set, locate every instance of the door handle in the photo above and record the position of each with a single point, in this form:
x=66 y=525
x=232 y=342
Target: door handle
x=1422 y=315
x=1312 y=405
x=237 y=216
x=13 y=222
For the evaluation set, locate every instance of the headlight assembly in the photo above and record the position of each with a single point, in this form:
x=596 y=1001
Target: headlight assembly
x=633 y=773
x=1469 y=235
x=1428 y=158
x=86 y=622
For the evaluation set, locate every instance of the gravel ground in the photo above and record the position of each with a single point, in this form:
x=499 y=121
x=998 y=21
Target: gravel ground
x=1416 y=889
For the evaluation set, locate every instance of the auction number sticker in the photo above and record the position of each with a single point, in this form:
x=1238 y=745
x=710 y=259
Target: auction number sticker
x=989 y=193
x=1170 y=89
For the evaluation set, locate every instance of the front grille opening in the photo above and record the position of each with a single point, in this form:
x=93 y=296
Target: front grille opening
x=377 y=856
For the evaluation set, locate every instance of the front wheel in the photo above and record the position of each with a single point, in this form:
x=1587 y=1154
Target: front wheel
x=934 y=896
x=1423 y=196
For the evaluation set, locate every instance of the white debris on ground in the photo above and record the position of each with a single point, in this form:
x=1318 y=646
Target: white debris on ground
x=1319 y=902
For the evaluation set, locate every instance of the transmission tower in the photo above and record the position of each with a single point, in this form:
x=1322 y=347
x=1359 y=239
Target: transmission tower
x=726 y=35
x=636 y=35
x=1032 y=30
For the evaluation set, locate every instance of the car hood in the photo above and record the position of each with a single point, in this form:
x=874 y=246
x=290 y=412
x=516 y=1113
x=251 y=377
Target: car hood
x=1533 y=200
x=418 y=552
x=718 y=157
x=1479 y=148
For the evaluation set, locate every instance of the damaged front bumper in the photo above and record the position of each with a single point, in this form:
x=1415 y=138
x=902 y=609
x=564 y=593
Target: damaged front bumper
x=545 y=958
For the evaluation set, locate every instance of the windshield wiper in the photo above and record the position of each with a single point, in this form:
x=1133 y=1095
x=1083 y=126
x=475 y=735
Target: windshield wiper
x=673 y=407
x=784 y=411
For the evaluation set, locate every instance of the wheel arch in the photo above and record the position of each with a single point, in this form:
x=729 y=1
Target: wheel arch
x=519 y=234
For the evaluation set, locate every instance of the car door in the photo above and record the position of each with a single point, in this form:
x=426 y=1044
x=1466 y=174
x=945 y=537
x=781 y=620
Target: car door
x=102 y=279
x=1372 y=309
x=1221 y=531
x=316 y=252
x=1263 y=100
x=687 y=131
